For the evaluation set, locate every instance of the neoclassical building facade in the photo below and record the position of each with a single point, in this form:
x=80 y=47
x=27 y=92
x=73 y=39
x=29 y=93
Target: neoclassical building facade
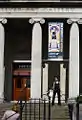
x=24 y=41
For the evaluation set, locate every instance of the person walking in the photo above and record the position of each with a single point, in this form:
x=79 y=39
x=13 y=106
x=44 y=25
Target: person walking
x=56 y=89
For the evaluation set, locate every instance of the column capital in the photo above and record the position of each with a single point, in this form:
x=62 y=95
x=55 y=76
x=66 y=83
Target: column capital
x=74 y=20
x=37 y=20
x=3 y=20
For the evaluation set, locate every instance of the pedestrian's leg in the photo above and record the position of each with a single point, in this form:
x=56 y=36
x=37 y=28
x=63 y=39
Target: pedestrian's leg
x=54 y=93
x=59 y=102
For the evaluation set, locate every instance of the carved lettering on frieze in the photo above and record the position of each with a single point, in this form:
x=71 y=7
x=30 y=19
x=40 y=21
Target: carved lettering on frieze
x=40 y=10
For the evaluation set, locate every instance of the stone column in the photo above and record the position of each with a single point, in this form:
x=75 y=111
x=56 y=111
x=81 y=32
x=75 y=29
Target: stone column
x=74 y=58
x=62 y=81
x=45 y=79
x=2 y=21
x=36 y=57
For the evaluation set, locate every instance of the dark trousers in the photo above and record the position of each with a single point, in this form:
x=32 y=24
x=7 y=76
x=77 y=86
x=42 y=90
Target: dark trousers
x=58 y=94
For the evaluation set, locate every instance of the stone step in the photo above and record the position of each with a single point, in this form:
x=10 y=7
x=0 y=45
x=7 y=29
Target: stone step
x=57 y=112
x=60 y=112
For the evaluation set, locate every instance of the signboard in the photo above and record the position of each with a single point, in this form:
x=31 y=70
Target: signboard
x=55 y=40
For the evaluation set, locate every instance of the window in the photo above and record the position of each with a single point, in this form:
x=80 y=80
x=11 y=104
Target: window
x=28 y=83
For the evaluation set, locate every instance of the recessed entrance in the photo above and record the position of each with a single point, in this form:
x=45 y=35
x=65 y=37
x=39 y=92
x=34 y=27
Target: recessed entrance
x=21 y=81
x=60 y=70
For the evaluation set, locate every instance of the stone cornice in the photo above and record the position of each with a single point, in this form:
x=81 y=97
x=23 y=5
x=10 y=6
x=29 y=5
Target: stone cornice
x=41 y=12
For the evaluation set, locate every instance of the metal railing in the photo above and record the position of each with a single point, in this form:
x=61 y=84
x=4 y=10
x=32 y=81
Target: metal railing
x=35 y=108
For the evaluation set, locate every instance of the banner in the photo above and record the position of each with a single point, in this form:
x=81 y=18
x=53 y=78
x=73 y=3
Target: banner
x=55 y=40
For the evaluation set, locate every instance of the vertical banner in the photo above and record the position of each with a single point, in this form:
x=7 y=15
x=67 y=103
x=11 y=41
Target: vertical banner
x=55 y=40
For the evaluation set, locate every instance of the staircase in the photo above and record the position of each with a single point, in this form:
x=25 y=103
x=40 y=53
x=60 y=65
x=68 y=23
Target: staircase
x=60 y=112
x=36 y=112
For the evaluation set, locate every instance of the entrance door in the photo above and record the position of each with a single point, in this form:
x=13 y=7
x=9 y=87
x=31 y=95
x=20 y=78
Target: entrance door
x=21 y=88
x=21 y=80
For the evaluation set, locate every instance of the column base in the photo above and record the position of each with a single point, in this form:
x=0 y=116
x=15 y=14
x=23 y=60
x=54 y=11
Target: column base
x=1 y=97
